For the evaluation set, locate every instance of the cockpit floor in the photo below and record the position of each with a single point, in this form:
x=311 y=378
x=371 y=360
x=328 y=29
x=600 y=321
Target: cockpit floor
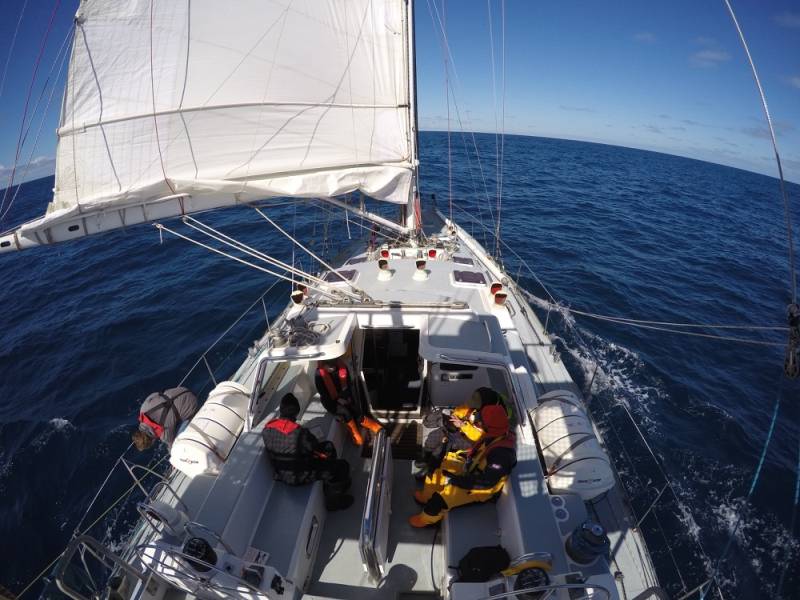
x=416 y=559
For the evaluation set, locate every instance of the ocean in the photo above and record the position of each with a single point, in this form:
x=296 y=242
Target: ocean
x=87 y=329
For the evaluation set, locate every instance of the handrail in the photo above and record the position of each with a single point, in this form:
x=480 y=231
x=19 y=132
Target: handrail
x=99 y=551
x=594 y=587
x=183 y=574
x=369 y=525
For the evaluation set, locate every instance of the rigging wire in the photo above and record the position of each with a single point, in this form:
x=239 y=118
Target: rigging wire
x=784 y=195
x=41 y=123
x=793 y=522
x=553 y=303
x=161 y=227
x=242 y=247
x=438 y=25
x=753 y=484
x=11 y=47
x=113 y=505
x=502 y=124
x=28 y=99
x=295 y=242
x=447 y=99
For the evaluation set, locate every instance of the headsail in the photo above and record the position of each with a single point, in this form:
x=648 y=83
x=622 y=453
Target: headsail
x=176 y=106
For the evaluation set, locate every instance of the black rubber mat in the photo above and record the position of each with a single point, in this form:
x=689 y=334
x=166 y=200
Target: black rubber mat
x=406 y=441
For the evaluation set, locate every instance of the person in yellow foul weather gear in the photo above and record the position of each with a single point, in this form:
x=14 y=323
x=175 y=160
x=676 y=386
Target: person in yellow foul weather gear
x=466 y=477
x=458 y=431
x=464 y=417
x=335 y=389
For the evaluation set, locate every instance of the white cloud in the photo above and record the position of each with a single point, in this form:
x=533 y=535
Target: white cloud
x=705 y=59
x=788 y=19
x=645 y=37
x=794 y=81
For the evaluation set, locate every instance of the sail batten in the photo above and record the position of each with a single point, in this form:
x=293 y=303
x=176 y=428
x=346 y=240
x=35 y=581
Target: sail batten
x=236 y=101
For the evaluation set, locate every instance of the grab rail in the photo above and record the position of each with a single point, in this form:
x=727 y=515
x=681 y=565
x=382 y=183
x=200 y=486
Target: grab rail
x=368 y=537
x=553 y=587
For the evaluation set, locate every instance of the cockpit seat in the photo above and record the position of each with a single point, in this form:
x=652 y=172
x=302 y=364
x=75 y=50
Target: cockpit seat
x=469 y=527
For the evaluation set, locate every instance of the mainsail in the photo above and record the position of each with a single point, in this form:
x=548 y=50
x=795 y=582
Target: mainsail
x=176 y=106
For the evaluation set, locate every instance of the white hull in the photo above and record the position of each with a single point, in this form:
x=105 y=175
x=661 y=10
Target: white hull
x=252 y=520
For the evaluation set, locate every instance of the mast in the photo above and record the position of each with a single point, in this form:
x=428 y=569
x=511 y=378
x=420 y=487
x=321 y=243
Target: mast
x=413 y=140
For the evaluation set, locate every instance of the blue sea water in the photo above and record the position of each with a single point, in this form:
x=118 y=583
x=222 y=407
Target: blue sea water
x=88 y=328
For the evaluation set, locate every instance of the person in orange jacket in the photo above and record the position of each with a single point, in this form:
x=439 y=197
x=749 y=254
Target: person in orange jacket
x=474 y=475
x=335 y=388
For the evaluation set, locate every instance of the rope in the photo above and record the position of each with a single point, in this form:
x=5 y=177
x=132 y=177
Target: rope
x=161 y=227
x=643 y=324
x=786 y=208
x=502 y=124
x=310 y=253
x=438 y=25
x=44 y=571
x=28 y=99
x=753 y=483
x=241 y=246
x=11 y=47
x=787 y=562
x=224 y=333
x=447 y=97
x=44 y=115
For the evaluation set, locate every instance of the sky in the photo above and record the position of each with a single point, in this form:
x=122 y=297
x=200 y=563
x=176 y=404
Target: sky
x=669 y=76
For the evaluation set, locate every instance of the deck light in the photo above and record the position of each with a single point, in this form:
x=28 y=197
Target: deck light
x=500 y=298
x=495 y=287
x=384 y=253
x=432 y=253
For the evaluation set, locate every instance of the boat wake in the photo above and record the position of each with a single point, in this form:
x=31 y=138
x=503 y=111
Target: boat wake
x=703 y=497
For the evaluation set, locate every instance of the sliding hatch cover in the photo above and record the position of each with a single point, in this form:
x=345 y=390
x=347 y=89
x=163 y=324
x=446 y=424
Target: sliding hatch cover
x=374 y=539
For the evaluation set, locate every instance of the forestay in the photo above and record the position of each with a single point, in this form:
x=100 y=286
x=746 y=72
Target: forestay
x=194 y=104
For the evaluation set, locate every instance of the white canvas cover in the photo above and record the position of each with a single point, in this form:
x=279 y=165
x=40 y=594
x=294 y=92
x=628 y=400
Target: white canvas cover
x=576 y=462
x=233 y=101
x=204 y=445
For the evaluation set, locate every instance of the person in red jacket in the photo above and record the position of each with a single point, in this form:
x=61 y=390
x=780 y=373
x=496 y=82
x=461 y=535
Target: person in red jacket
x=336 y=394
x=162 y=415
x=298 y=457
x=475 y=475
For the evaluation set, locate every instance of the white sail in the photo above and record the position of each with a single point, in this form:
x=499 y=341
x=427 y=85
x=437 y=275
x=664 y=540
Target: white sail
x=173 y=106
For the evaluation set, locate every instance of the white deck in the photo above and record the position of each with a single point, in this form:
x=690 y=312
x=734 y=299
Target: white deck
x=453 y=319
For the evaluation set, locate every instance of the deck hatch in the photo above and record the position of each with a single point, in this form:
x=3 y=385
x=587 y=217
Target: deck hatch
x=472 y=277
x=348 y=274
x=463 y=260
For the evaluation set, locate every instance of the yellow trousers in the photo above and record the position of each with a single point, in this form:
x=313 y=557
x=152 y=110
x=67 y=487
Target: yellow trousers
x=453 y=496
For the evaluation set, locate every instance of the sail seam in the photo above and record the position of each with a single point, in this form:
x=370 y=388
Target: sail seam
x=63 y=132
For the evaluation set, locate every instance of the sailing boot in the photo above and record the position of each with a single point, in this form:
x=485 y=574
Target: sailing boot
x=420 y=497
x=371 y=424
x=423 y=519
x=355 y=434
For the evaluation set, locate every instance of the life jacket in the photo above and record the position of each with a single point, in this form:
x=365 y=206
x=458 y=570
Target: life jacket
x=157 y=426
x=334 y=390
x=282 y=442
x=477 y=455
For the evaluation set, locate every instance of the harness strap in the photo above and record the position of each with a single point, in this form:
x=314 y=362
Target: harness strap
x=481 y=449
x=157 y=425
x=556 y=466
x=329 y=385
